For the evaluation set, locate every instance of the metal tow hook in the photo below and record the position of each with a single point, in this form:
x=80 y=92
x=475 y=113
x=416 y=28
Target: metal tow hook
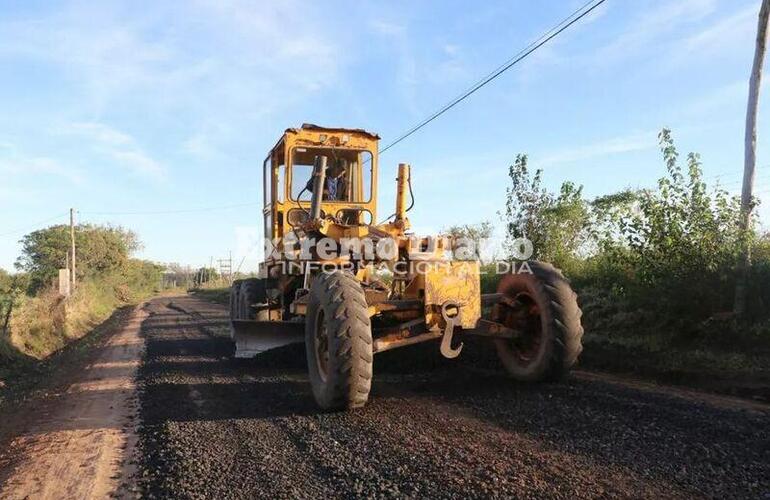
x=451 y=313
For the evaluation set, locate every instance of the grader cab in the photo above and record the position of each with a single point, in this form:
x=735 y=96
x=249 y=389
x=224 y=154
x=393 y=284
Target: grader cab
x=349 y=287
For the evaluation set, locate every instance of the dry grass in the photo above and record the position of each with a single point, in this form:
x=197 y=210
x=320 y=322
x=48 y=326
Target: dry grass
x=217 y=295
x=44 y=324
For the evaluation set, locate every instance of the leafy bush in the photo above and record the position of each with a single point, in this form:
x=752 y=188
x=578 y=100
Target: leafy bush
x=556 y=223
x=671 y=250
x=42 y=321
x=759 y=277
x=681 y=241
x=471 y=233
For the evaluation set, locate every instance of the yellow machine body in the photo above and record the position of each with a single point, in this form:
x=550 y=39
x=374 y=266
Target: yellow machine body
x=424 y=289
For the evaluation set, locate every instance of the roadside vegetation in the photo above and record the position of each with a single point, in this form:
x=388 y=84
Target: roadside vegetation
x=36 y=321
x=208 y=284
x=655 y=271
x=219 y=294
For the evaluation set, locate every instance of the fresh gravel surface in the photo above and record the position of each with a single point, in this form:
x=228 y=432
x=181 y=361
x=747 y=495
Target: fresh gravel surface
x=214 y=427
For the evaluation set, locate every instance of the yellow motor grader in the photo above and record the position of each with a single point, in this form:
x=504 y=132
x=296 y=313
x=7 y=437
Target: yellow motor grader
x=350 y=288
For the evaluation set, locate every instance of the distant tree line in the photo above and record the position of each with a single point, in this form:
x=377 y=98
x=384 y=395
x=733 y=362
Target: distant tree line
x=104 y=254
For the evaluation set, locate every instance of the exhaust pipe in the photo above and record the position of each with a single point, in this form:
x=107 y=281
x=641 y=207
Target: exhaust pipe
x=319 y=179
x=402 y=183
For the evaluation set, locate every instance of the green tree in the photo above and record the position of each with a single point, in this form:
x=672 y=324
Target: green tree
x=12 y=287
x=100 y=250
x=473 y=234
x=205 y=275
x=5 y=280
x=556 y=223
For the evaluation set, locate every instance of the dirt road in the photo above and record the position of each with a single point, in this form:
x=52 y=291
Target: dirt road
x=212 y=427
x=78 y=443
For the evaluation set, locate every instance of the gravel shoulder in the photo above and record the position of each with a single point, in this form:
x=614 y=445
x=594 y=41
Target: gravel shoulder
x=213 y=427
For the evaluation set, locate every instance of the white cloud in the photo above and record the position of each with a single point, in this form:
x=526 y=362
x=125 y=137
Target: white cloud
x=648 y=29
x=725 y=34
x=387 y=28
x=202 y=69
x=107 y=58
x=14 y=164
x=200 y=147
x=140 y=164
x=615 y=145
x=450 y=66
x=113 y=52
x=119 y=146
x=718 y=99
x=406 y=64
x=437 y=64
x=450 y=49
x=99 y=132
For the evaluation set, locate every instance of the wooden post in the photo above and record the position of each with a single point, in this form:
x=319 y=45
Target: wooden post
x=750 y=160
x=72 y=249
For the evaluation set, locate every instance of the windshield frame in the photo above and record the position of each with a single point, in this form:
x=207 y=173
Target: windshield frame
x=330 y=150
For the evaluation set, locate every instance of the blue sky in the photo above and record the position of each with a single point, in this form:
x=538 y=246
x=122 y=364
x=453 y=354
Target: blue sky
x=164 y=106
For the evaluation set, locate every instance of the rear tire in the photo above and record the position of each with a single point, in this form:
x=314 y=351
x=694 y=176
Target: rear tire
x=338 y=342
x=547 y=311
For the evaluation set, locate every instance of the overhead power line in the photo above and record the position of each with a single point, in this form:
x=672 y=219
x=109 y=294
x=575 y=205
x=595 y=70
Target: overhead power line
x=174 y=211
x=739 y=181
x=33 y=225
x=573 y=18
x=732 y=173
x=576 y=16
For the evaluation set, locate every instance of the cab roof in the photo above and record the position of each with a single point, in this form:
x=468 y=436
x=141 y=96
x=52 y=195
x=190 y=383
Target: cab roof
x=310 y=126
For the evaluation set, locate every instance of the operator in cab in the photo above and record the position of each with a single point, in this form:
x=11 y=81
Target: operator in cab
x=334 y=187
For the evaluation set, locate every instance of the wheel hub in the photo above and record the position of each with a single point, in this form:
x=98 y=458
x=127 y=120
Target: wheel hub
x=524 y=315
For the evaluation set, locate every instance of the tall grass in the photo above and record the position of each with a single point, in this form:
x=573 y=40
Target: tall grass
x=45 y=323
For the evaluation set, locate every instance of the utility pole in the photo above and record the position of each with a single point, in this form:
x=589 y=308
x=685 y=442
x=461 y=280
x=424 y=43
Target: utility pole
x=72 y=249
x=226 y=269
x=750 y=159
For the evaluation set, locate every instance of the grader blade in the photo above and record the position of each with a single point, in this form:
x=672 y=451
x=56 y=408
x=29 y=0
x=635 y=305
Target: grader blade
x=255 y=337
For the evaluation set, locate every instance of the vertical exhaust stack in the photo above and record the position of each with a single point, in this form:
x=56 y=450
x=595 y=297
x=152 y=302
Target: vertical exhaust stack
x=319 y=179
x=402 y=183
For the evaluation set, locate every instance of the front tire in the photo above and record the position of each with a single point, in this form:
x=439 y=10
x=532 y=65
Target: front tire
x=544 y=308
x=338 y=342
